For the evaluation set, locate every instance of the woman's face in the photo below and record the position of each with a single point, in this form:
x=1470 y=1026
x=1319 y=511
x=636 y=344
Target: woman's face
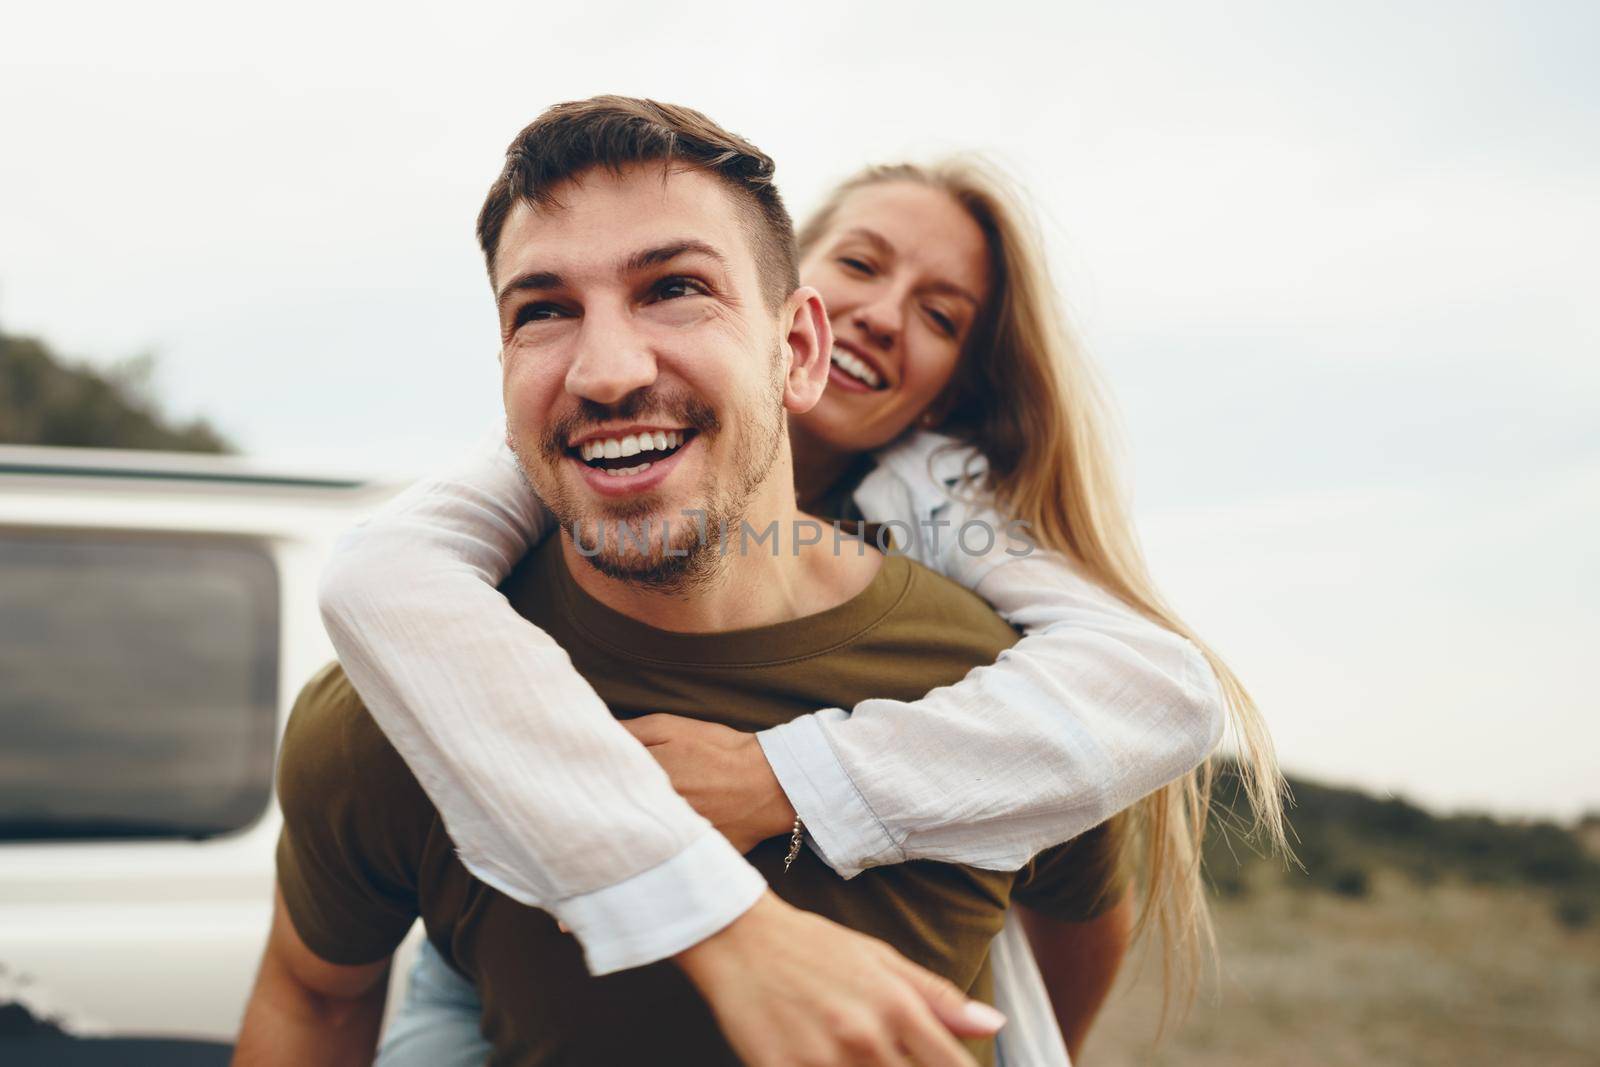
x=903 y=271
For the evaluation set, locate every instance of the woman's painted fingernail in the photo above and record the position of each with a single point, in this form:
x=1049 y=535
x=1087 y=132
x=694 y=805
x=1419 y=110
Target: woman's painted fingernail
x=983 y=1016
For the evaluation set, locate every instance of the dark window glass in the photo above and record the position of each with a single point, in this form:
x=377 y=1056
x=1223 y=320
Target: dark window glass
x=138 y=684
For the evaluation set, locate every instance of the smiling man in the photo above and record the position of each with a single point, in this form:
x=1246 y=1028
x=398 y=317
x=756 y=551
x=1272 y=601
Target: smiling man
x=647 y=434
x=654 y=339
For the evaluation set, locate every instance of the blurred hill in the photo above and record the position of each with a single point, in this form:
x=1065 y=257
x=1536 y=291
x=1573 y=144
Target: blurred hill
x=44 y=400
x=1409 y=938
x=1345 y=838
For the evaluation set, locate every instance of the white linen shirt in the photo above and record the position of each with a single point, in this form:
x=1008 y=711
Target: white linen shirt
x=1094 y=708
x=552 y=802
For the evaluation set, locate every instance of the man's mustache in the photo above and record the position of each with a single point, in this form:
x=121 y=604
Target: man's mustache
x=642 y=405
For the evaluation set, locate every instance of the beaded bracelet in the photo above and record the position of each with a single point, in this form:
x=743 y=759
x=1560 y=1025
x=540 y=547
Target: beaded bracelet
x=795 y=840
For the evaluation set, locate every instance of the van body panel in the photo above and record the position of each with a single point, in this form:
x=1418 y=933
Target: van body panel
x=162 y=937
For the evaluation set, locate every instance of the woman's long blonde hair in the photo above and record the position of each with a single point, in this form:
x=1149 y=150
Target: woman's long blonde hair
x=1026 y=397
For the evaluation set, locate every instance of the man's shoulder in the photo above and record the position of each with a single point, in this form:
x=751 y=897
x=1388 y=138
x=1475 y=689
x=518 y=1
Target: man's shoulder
x=935 y=611
x=329 y=694
x=355 y=827
x=332 y=742
x=329 y=715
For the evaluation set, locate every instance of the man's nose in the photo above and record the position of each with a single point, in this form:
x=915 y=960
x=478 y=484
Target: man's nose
x=611 y=362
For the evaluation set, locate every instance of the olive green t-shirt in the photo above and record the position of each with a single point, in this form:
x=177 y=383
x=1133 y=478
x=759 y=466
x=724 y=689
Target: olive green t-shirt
x=363 y=851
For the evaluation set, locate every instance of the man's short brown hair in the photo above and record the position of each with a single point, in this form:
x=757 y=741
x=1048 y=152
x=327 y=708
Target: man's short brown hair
x=616 y=131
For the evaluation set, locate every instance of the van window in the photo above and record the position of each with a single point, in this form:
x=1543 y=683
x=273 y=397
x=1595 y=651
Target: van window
x=138 y=684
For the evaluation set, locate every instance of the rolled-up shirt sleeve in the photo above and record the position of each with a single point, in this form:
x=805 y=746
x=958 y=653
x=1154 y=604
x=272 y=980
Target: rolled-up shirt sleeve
x=547 y=798
x=1096 y=707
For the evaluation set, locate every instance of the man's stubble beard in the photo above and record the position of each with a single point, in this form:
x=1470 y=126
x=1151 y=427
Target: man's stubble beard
x=697 y=557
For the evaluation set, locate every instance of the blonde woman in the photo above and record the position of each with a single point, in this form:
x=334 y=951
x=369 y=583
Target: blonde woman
x=957 y=403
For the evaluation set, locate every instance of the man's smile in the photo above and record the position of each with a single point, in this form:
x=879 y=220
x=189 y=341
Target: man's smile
x=618 y=464
x=599 y=447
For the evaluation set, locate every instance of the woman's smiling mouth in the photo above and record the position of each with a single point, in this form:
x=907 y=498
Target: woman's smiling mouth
x=854 y=372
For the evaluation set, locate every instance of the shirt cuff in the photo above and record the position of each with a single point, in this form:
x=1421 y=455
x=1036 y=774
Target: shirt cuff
x=840 y=825
x=662 y=911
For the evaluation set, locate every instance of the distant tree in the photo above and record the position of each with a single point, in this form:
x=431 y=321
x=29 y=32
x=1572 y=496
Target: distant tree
x=1344 y=836
x=46 y=401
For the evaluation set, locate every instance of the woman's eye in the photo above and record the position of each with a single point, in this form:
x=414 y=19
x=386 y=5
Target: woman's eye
x=943 y=322
x=860 y=266
x=677 y=288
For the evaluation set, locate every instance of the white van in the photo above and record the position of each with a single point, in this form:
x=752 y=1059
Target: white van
x=157 y=617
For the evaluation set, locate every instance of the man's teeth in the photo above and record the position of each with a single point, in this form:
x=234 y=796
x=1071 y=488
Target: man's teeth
x=618 y=472
x=855 y=367
x=632 y=445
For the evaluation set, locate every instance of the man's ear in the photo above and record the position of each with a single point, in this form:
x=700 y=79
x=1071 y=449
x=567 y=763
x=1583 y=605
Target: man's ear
x=809 y=337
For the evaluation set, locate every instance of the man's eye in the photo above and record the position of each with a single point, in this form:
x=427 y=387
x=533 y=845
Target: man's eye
x=538 y=313
x=677 y=287
x=860 y=266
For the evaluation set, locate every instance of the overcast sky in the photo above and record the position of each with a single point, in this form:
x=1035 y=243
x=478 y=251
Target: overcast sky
x=1339 y=265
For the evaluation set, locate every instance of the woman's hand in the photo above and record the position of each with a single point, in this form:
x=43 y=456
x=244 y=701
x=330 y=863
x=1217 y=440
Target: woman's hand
x=721 y=772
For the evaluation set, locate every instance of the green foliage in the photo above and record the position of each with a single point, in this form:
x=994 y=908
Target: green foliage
x=1575 y=912
x=1351 y=882
x=45 y=401
x=1343 y=836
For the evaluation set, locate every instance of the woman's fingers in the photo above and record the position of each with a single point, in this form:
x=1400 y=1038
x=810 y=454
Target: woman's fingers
x=951 y=1007
x=931 y=1045
x=791 y=988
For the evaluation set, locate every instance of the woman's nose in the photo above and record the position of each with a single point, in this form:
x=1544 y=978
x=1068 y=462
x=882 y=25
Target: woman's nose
x=880 y=323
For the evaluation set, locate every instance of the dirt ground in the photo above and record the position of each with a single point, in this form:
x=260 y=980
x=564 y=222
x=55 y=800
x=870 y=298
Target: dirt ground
x=1448 y=974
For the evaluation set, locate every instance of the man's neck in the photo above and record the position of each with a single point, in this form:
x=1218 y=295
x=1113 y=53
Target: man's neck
x=753 y=584
x=818 y=466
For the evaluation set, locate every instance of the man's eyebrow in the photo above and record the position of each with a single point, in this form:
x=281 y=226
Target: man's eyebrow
x=641 y=260
x=655 y=257
x=535 y=279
